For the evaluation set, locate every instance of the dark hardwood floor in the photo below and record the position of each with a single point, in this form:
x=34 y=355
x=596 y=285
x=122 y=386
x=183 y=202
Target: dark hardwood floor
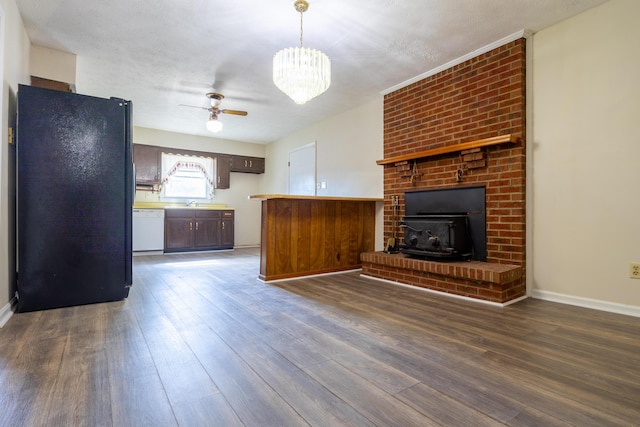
x=201 y=342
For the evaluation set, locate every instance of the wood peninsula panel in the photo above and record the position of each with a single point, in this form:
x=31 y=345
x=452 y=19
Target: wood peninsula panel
x=312 y=235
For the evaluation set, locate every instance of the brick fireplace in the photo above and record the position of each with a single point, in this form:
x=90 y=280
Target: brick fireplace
x=479 y=107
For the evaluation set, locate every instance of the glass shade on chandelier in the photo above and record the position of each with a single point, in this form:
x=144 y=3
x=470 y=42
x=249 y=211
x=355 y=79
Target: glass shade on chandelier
x=299 y=72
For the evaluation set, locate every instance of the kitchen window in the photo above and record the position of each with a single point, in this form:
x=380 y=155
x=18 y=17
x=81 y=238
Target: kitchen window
x=188 y=177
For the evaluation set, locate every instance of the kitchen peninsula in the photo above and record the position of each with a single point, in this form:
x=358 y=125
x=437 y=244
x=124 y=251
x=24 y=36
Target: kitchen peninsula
x=307 y=235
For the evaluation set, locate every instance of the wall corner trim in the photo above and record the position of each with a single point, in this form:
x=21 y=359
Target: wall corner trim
x=7 y=311
x=612 y=307
x=515 y=36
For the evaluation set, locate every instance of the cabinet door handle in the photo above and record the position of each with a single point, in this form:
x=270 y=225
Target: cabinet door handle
x=245 y=163
x=250 y=163
x=223 y=225
x=196 y=225
x=218 y=179
x=190 y=226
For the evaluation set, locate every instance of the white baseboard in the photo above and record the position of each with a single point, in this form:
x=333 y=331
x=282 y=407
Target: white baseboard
x=612 y=307
x=6 y=312
x=308 y=276
x=446 y=294
x=142 y=253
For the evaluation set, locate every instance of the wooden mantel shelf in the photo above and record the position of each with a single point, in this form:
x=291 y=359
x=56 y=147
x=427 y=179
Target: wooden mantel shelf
x=450 y=149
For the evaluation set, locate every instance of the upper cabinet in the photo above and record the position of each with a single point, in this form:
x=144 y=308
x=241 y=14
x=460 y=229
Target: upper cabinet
x=148 y=158
x=52 y=84
x=147 y=161
x=223 y=165
x=247 y=164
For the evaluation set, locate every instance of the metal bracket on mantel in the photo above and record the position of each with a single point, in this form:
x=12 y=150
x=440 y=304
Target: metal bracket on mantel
x=408 y=171
x=451 y=149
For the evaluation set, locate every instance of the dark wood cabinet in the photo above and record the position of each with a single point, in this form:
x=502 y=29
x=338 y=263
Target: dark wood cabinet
x=223 y=169
x=247 y=164
x=198 y=229
x=207 y=226
x=52 y=84
x=227 y=237
x=178 y=230
x=147 y=162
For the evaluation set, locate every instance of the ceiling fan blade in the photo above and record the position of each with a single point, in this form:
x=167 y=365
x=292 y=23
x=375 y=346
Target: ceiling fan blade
x=193 y=106
x=236 y=112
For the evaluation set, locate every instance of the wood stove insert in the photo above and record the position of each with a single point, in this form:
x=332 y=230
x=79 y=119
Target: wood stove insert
x=445 y=224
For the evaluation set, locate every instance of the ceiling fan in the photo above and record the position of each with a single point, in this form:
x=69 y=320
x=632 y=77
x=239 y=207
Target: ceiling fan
x=213 y=124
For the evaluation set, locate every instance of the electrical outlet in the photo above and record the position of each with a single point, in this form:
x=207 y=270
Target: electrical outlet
x=634 y=270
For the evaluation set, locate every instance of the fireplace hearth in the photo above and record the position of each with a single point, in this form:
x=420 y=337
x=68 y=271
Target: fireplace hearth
x=445 y=224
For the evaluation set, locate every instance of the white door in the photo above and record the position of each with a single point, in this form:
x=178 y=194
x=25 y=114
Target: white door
x=302 y=170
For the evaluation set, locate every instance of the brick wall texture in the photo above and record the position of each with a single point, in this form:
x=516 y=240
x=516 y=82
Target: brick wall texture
x=481 y=98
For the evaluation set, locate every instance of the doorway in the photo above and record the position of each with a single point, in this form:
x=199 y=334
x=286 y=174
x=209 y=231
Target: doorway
x=302 y=170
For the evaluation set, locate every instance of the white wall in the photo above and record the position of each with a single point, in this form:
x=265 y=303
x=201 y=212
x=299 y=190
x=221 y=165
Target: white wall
x=347 y=146
x=52 y=64
x=247 y=212
x=586 y=158
x=14 y=69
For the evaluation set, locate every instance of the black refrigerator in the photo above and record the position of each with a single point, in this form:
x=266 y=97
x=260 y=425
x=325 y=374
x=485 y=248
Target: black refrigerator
x=75 y=190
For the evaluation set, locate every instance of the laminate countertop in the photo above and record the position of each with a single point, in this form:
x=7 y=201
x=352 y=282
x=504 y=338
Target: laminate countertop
x=200 y=206
x=302 y=197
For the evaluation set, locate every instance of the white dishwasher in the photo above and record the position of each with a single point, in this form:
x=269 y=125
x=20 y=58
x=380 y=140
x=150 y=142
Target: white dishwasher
x=148 y=230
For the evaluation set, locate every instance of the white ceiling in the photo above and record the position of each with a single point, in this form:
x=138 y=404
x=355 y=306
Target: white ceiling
x=163 y=53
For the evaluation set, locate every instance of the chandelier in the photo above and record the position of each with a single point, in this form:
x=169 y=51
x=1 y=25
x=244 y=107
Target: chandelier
x=300 y=72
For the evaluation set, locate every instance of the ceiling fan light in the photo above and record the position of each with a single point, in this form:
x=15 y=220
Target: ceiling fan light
x=214 y=125
x=301 y=73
